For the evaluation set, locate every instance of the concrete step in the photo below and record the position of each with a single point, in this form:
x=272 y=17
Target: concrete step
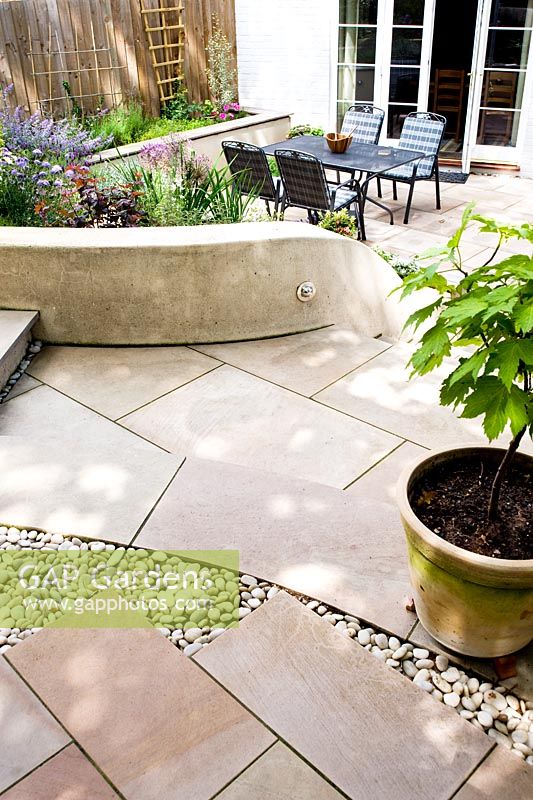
x=15 y=333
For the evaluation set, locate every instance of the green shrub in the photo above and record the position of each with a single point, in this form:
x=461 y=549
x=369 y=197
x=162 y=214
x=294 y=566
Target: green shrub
x=339 y=222
x=403 y=265
x=221 y=74
x=124 y=124
x=304 y=130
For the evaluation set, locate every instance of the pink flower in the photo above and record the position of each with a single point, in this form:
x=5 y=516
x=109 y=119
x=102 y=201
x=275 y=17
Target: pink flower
x=222 y=115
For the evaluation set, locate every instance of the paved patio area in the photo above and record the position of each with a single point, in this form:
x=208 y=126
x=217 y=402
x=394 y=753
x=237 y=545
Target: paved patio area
x=288 y=450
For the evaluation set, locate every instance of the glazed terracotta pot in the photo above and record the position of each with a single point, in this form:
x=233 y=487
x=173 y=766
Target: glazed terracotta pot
x=473 y=604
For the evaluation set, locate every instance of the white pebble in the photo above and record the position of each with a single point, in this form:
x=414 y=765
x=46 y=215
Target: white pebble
x=363 y=637
x=420 y=652
x=452 y=699
x=409 y=669
x=243 y=612
x=424 y=663
x=484 y=718
x=382 y=641
x=451 y=675
x=192 y=634
x=273 y=591
x=442 y=663
x=247 y=580
x=193 y=648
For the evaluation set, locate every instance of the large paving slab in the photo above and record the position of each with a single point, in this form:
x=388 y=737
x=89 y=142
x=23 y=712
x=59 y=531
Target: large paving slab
x=381 y=394
x=280 y=775
x=229 y=415
x=379 y=483
x=28 y=732
x=305 y=362
x=117 y=380
x=339 y=547
x=66 y=776
x=370 y=731
x=66 y=469
x=501 y=775
x=156 y=725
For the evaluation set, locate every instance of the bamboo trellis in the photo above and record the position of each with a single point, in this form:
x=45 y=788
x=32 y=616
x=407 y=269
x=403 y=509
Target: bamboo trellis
x=166 y=39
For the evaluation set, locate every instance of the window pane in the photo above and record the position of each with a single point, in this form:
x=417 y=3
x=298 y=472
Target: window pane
x=507 y=48
x=503 y=89
x=406 y=45
x=408 y=12
x=498 y=128
x=357 y=45
x=512 y=13
x=403 y=86
x=355 y=83
x=396 y=118
x=358 y=12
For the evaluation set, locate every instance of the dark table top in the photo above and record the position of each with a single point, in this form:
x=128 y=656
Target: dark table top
x=373 y=158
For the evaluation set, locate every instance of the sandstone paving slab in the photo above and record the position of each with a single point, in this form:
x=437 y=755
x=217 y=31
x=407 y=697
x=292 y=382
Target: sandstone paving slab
x=66 y=469
x=501 y=775
x=280 y=775
x=231 y=416
x=370 y=731
x=341 y=548
x=156 y=725
x=306 y=362
x=382 y=394
x=66 y=776
x=28 y=732
x=379 y=483
x=417 y=241
x=117 y=380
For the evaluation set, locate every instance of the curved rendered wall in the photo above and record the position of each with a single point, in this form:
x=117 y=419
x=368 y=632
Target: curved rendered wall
x=190 y=285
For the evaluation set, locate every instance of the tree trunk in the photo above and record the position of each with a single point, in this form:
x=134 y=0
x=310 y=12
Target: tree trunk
x=502 y=471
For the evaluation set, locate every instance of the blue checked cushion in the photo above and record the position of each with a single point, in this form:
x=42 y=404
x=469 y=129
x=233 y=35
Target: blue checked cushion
x=419 y=134
x=344 y=197
x=367 y=125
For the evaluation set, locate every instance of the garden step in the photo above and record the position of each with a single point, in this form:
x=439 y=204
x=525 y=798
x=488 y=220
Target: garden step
x=368 y=730
x=15 y=333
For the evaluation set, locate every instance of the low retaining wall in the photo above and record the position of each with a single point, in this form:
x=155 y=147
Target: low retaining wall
x=261 y=128
x=194 y=284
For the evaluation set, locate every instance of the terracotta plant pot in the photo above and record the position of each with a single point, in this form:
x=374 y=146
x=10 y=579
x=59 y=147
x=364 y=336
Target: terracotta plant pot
x=476 y=605
x=338 y=142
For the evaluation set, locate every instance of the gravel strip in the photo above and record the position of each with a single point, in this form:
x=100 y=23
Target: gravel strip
x=494 y=709
x=34 y=348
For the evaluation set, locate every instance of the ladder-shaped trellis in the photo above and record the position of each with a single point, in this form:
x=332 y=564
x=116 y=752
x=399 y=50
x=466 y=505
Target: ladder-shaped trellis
x=165 y=29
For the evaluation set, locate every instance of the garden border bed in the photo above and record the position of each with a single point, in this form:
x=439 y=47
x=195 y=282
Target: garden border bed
x=261 y=127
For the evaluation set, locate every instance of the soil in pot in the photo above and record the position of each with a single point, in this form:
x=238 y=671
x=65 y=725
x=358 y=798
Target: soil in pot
x=452 y=500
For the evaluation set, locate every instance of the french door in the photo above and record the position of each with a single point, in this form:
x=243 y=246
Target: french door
x=386 y=55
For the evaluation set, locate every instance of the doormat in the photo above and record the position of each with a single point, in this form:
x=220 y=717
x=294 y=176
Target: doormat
x=450 y=176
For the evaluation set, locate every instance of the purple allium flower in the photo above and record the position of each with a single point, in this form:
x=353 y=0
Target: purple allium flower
x=42 y=182
x=56 y=169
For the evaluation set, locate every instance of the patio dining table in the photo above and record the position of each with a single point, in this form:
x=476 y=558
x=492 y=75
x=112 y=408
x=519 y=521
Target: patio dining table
x=367 y=159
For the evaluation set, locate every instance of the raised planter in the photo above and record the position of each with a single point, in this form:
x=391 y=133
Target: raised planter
x=212 y=283
x=261 y=128
x=472 y=604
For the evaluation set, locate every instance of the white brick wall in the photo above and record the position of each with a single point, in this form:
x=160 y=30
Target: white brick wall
x=284 y=56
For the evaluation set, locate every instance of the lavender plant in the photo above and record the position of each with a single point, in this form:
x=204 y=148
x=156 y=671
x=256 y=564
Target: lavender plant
x=25 y=183
x=64 y=141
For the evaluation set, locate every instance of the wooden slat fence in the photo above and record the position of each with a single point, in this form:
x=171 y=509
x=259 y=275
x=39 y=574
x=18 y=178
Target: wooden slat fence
x=102 y=50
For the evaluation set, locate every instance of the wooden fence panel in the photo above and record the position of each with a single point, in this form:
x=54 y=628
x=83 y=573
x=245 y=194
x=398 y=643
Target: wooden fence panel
x=100 y=48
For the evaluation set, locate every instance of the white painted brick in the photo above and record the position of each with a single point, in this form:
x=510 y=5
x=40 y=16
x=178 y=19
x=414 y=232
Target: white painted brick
x=284 y=56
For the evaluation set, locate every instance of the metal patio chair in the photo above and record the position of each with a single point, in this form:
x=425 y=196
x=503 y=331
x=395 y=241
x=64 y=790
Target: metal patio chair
x=305 y=186
x=422 y=130
x=249 y=165
x=367 y=121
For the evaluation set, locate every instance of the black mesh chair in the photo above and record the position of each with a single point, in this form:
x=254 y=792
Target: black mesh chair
x=249 y=166
x=305 y=186
x=422 y=130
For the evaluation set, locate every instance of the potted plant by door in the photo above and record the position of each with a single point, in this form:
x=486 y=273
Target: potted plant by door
x=468 y=512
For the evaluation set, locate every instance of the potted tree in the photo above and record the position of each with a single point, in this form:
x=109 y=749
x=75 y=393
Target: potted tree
x=468 y=512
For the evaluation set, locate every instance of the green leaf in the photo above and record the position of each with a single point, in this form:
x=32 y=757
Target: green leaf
x=434 y=346
x=465 y=219
x=469 y=367
x=420 y=316
x=463 y=309
x=523 y=317
x=499 y=406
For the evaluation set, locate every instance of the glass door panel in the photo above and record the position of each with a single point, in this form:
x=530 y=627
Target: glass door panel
x=501 y=77
x=356 y=60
